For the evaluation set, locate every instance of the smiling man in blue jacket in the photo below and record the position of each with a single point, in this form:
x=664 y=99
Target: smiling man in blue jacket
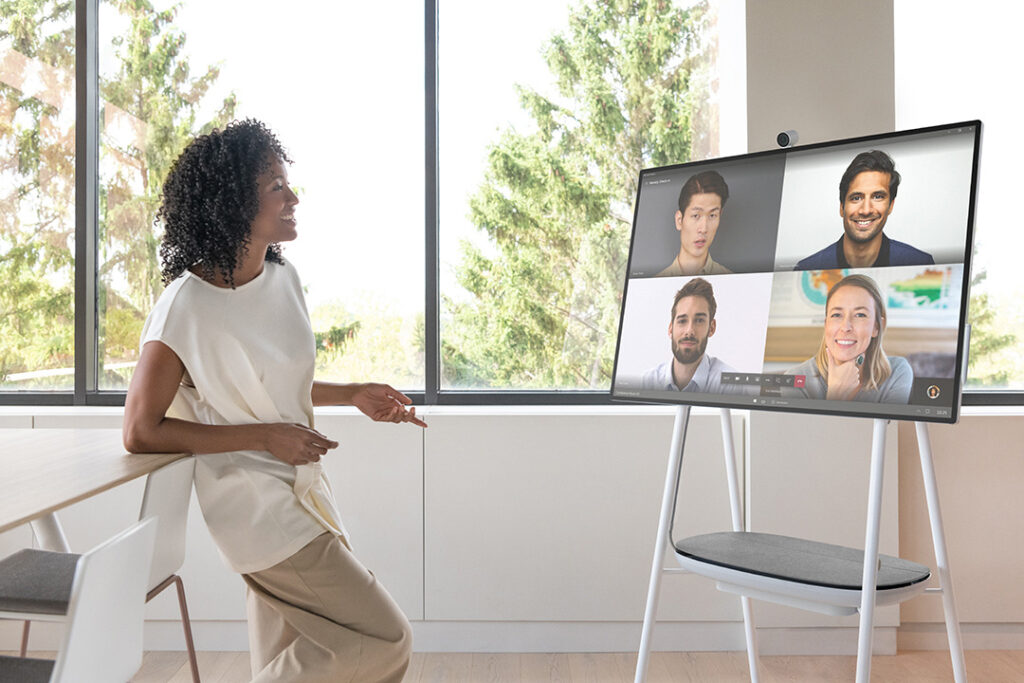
x=867 y=193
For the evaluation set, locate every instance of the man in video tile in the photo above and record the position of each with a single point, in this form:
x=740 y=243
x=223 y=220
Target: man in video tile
x=701 y=201
x=867 y=193
x=692 y=324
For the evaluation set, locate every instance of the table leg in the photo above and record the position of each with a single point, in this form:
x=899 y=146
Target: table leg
x=49 y=533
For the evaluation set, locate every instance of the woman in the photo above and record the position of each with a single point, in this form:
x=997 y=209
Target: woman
x=226 y=372
x=850 y=364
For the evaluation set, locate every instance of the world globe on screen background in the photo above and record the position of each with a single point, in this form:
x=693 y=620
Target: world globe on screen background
x=814 y=284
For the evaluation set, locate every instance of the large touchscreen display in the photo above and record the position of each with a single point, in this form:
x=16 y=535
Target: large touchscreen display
x=830 y=278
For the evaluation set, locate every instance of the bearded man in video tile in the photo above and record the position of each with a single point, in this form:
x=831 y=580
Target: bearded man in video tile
x=692 y=324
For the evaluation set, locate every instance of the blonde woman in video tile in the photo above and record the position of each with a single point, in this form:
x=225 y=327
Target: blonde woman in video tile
x=851 y=364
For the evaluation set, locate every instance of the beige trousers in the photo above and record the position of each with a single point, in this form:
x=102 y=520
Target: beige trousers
x=321 y=616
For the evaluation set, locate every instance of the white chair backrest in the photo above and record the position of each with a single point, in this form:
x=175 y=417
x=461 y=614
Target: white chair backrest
x=103 y=641
x=167 y=495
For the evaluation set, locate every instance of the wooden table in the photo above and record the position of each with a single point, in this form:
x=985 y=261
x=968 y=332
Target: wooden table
x=44 y=470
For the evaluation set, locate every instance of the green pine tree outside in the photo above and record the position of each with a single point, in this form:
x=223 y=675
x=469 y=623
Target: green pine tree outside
x=995 y=360
x=555 y=203
x=153 y=93
x=153 y=87
x=36 y=189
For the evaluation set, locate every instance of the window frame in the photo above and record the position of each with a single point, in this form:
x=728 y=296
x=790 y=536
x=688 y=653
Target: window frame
x=86 y=372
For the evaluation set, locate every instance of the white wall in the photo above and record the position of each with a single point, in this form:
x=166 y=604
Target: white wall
x=821 y=67
x=979 y=465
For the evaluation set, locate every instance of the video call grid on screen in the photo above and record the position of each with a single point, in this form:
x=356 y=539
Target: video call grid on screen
x=891 y=337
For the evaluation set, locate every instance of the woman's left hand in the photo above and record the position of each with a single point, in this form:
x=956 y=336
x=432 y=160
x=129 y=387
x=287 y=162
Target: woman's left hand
x=844 y=378
x=382 y=403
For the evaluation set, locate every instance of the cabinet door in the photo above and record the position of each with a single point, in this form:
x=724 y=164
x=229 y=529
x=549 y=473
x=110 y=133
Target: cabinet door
x=377 y=476
x=554 y=517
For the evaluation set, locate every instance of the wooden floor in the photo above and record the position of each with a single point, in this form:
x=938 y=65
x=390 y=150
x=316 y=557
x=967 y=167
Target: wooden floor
x=983 y=666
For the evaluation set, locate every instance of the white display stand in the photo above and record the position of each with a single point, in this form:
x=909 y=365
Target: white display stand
x=757 y=574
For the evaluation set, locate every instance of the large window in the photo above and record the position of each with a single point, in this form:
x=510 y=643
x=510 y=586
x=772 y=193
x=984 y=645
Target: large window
x=537 y=124
x=547 y=112
x=937 y=82
x=37 y=196
x=538 y=119
x=336 y=91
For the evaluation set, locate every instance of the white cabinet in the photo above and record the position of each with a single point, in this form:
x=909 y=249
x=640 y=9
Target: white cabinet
x=541 y=517
x=377 y=476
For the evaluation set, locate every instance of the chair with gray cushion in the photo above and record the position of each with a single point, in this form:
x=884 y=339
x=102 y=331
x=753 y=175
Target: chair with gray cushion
x=105 y=607
x=36 y=582
x=35 y=585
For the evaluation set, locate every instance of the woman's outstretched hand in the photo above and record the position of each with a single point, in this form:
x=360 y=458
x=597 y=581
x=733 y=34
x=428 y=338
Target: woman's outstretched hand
x=295 y=444
x=382 y=403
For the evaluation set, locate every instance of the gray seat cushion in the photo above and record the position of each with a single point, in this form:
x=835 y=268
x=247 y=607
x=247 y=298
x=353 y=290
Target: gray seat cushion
x=37 y=581
x=794 y=559
x=19 y=670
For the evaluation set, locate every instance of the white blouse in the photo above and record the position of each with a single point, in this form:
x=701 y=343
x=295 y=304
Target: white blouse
x=249 y=356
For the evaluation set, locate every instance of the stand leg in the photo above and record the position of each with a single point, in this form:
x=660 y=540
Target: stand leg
x=738 y=525
x=931 y=491
x=730 y=471
x=675 y=458
x=870 y=578
x=753 y=663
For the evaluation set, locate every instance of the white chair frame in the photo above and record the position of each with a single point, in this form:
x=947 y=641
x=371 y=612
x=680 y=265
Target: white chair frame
x=103 y=640
x=167 y=495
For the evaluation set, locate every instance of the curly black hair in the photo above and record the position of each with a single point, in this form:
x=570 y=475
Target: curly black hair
x=211 y=197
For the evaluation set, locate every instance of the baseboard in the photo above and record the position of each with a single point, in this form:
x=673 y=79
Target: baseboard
x=454 y=636
x=975 y=636
x=515 y=636
x=208 y=636
x=518 y=636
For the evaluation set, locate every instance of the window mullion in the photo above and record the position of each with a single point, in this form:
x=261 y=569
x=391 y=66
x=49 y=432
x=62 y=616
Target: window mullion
x=86 y=196
x=432 y=340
